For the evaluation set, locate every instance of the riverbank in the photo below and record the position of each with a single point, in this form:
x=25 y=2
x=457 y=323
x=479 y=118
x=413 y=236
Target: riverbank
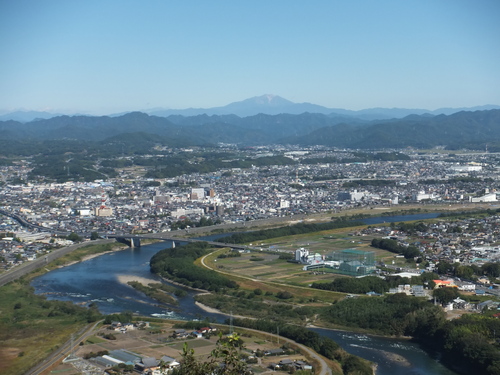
x=212 y=310
x=94 y=255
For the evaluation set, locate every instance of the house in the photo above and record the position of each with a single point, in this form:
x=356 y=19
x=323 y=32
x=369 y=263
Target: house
x=277 y=351
x=483 y=280
x=128 y=326
x=169 y=362
x=286 y=362
x=274 y=366
x=127 y=357
x=466 y=287
x=487 y=305
x=180 y=333
x=301 y=365
x=443 y=283
x=148 y=364
x=197 y=334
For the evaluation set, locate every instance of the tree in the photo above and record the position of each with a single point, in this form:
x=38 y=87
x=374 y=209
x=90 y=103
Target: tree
x=223 y=360
x=445 y=295
x=94 y=236
x=464 y=272
x=257 y=292
x=492 y=269
x=74 y=237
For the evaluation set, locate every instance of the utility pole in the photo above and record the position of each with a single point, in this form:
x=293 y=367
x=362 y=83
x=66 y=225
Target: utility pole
x=231 y=323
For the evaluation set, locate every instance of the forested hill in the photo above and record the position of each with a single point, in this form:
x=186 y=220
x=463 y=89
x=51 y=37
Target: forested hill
x=459 y=130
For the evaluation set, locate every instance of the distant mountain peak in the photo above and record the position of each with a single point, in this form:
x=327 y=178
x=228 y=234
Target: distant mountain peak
x=267 y=100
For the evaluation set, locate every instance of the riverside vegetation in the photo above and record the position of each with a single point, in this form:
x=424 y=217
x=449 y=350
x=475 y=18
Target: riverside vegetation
x=31 y=327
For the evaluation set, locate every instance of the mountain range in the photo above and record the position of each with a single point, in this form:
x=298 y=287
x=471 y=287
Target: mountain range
x=270 y=105
x=465 y=129
x=274 y=105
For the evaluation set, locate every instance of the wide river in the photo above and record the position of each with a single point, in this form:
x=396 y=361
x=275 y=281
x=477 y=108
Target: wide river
x=103 y=280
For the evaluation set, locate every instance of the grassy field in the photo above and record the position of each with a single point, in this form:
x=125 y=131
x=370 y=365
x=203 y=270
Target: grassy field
x=30 y=327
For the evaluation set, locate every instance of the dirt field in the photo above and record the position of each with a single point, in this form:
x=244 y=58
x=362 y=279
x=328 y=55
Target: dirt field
x=147 y=344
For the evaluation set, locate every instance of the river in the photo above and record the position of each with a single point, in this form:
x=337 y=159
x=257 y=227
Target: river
x=398 y=218
x=102 y=280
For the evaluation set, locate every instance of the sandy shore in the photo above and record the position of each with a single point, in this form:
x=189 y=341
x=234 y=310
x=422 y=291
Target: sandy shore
x=125 y=279
x=215 y=311
x=208 y=308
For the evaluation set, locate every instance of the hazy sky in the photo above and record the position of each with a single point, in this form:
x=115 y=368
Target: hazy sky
x=108 y=56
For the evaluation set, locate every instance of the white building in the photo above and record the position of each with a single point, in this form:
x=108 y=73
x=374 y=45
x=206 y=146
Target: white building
x=490 y=197
x=467 y=168
x=197 y=194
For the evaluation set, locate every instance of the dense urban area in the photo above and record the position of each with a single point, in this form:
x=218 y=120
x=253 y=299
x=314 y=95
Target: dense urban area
x=313 y=181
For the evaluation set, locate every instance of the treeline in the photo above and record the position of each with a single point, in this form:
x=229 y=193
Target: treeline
x=387 y=315
x=178 y=165
x=123 y=317
x=410 y=228
x=361 y=183
x=372 y=283
x=322 y=345
x=291 y=230
x=469 y=214
x=359 y=157
x=252 y=305
x=392 y=245
x=456 y=180
x=363 y=157
x=177 y=264
x=467 y=344
x=469 y=272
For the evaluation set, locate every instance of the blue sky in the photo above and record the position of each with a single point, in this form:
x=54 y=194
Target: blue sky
x=102 y=57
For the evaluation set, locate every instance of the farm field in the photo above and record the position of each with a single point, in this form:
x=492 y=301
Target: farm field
x=265 y=266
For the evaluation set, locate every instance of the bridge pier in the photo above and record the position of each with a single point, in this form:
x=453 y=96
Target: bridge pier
x=131 y=241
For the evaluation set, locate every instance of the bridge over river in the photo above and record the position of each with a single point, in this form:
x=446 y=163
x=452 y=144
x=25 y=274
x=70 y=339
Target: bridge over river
x=134 y=240
x=131 y=240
